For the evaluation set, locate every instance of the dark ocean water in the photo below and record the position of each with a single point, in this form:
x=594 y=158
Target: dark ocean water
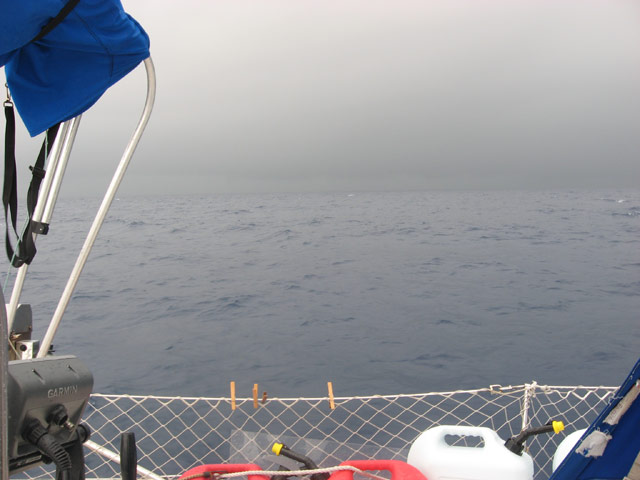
x=378 y=292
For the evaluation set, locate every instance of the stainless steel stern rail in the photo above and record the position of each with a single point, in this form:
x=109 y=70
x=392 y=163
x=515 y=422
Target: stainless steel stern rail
x=102 y=211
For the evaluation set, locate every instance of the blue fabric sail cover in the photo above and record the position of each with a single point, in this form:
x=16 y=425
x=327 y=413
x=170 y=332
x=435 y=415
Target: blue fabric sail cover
x=63 y=74
x=622 y=446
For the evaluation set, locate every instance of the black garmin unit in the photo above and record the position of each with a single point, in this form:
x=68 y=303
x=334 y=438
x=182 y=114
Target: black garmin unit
x=46 y=399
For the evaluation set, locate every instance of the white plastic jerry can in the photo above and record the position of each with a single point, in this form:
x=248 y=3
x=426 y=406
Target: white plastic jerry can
x=437 y=460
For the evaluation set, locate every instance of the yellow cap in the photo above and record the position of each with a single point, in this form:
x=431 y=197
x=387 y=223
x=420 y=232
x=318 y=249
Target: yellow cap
x=277 y=448
x=558 y=426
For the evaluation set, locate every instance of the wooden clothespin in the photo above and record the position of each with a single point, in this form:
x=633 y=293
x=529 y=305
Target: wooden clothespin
x=332 y=403
x=232 y=386
x=255 y=395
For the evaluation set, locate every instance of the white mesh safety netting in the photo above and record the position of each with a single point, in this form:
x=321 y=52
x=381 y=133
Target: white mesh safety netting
x=176 y=433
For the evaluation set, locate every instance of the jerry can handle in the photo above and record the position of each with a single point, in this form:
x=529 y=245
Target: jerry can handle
x=491 y=438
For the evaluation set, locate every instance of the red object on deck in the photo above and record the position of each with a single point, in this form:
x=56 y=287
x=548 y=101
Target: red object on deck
x=399 y=470
x=224 y=468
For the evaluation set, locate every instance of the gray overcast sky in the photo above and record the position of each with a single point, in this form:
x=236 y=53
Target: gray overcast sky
x=351 y=95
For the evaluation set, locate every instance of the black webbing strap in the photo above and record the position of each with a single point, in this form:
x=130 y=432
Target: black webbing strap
x=37 y=170
x=10 y=186
x=55 y=21
x=26 y=248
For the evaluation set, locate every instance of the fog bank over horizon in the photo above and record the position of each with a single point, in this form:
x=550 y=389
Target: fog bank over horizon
x=296 y=96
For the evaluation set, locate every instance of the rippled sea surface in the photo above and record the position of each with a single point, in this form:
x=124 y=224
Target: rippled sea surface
x=378 y=292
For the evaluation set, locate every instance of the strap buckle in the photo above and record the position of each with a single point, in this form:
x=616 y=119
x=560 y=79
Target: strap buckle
x=37 y=171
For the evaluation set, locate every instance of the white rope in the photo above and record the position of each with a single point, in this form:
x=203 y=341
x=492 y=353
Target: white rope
x=494 y=389
x=298 y=472
x=105 y=452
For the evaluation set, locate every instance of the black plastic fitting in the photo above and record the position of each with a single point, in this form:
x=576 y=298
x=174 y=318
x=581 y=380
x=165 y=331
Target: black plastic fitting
x=516 y=444
x=58 y=416
x=304 y=460
x=37 y=435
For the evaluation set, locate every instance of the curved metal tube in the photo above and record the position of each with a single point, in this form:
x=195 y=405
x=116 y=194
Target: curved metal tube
x=102 y=211
x=46 y=199
x=58 y=174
